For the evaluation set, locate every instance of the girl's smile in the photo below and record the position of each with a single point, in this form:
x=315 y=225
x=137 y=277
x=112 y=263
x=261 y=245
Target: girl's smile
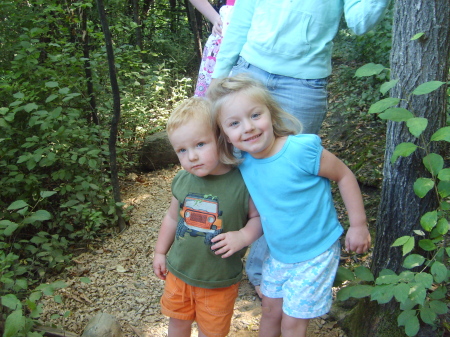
x=248 y=126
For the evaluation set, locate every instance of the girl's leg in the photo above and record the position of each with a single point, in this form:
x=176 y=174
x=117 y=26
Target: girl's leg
x=293 y=327
x=272 y=313
x=179 y=328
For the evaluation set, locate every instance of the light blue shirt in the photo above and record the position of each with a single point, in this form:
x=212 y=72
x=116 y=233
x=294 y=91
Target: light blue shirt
x=292 y=38
x=295 y=204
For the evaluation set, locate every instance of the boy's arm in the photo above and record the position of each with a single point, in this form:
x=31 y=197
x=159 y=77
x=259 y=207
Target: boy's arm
x=358 y=236
x=165 y=239
x=231 y=242
x=204 y=7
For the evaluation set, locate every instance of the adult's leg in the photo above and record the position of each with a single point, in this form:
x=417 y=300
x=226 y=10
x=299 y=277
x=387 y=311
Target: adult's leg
x=271 y=316
x=255 y=259
x=179 y=328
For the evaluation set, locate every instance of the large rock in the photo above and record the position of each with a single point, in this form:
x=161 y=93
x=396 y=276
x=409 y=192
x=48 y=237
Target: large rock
x=103 y=325
x=157 y=152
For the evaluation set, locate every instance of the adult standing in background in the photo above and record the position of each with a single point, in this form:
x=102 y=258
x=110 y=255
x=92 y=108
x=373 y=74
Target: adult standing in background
x=287 y=45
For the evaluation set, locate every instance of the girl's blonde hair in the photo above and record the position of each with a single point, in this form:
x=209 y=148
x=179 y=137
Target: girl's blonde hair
x=284 y=124
x=194 y=108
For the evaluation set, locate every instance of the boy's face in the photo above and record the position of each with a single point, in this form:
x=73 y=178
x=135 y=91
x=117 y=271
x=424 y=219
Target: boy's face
x=196 y=148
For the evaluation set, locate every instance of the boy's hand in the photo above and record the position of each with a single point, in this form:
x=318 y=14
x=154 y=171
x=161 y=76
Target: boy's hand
x=159 y=266
x=357 y=239
x=226 y=244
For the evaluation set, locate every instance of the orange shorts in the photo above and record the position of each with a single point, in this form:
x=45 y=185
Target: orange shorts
x=212 y=309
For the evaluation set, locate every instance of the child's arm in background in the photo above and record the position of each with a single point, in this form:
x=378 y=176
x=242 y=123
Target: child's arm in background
x=165 y=239
x=204 y=7
x=226 y=244
x=358 y=236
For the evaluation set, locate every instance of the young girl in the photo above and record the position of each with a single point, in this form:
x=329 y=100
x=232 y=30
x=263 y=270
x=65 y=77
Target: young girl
x=288 y=176
x=220 y=23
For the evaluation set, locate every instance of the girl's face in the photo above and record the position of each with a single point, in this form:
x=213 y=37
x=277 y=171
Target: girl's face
x=248 y=125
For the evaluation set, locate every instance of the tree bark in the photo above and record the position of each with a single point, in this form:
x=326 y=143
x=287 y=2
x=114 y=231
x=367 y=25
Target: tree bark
x=116 y=114
x=196 y=29
x=87 y=68
x=412 y=63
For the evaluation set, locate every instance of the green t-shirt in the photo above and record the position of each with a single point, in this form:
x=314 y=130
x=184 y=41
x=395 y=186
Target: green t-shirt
x=208 y=206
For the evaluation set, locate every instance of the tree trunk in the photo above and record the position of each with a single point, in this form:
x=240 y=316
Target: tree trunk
x=87 y=68
x=137 y=20
x=413 y=63
x=196 y=29
x=116 y=115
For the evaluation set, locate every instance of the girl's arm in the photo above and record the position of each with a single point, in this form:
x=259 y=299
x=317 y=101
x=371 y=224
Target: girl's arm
x=165 y=239
x=231 y=242
x=358 y=236
x=204 y=7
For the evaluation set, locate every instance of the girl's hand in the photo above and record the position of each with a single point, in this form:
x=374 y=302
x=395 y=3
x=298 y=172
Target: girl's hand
x=217 y=27
x=357 y=239
x=159 y=266
x=226 y=244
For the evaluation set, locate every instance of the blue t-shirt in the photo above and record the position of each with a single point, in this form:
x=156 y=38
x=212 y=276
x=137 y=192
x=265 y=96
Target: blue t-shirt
x=295 y=204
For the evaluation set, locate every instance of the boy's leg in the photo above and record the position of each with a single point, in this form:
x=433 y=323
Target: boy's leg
x=293 y=327
x=272 y=313
x=214 y=310
x=179 y=328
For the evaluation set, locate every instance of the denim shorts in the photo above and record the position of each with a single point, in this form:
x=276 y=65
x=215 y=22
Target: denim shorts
x=306 y=99
x=305 y=287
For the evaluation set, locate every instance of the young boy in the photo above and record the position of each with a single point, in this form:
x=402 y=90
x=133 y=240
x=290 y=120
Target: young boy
x=211 y=217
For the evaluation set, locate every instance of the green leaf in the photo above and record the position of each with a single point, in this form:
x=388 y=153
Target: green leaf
x=14 y=323
x=412 y=326
x=11 y=301
x=444 y=189
x=30 y=107
x=427 y=315
x=428 y=220
x=383 y=293
x=343 y=274
x=427 y=245
x=357 y=291
x=51 y=98
x=385 y=87
x=417 y=36
x=85 y=280
x=427 y=87
x=51 y=84
x=396 y=114
x=46 y=194
x=442 y=226
x=439 y=307
x=413 y=260
x=364 y=273
x=434 y=163
x=418 y=294
x=369 y=69
x=383 y=104
x=408 y=246
x=439 y=271
x=405 y=316
x=400 y=241
x=424 y=279
x=40 y=215
x=387 y=279
x=417 y=125
x=17 y=205
x=9 y=227
x=422 y=186
x=403 y=150
x=439 y=293
x=444 y=174
x=401 y=292
x=19 y=95
x=35 y=296
x=441 y=134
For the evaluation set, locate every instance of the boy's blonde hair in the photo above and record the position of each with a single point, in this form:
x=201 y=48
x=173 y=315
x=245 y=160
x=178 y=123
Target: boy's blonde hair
x=194 y=108
x=284 y=124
